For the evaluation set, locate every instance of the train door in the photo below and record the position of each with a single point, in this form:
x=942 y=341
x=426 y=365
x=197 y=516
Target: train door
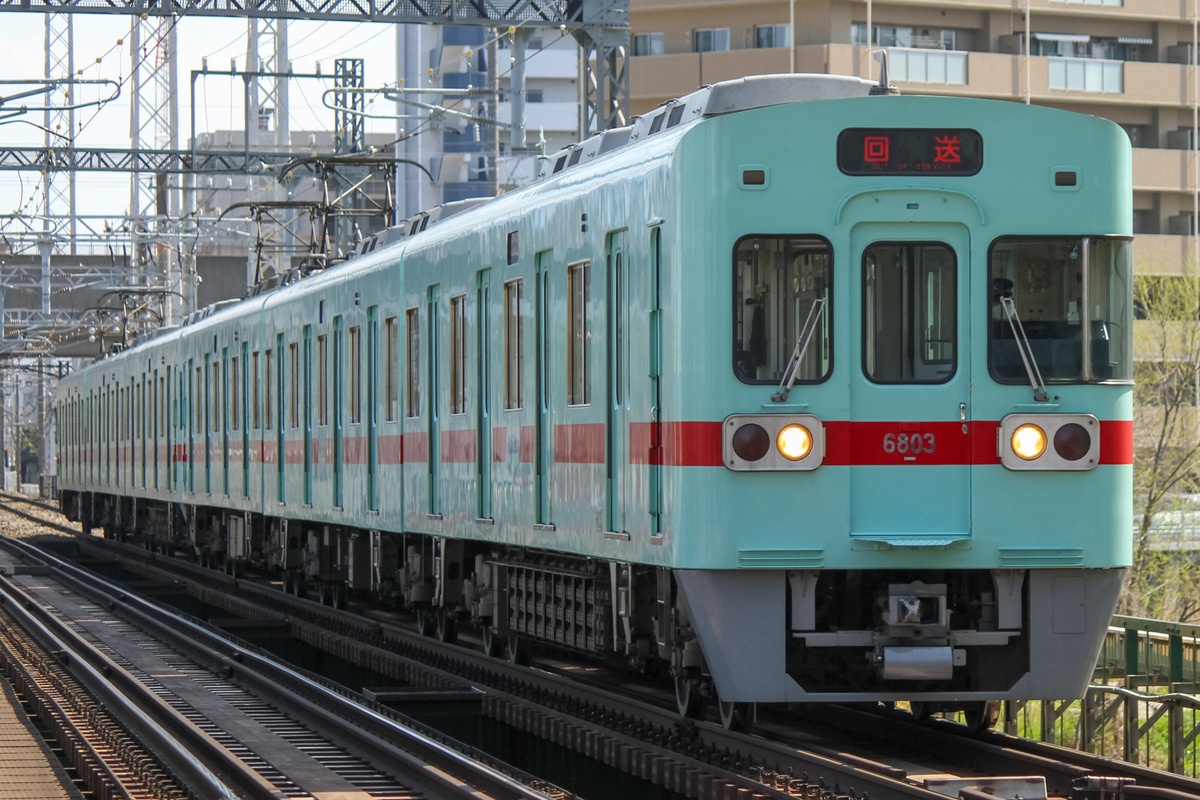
x=655 y=373
x=372 y=413
x=307 y=412
x=227 y=412
x=910 y=384
x=617 y=386
x=435 y=429
x=241 y=399
x=338 y=379
x=543 y=441
x=483 y=422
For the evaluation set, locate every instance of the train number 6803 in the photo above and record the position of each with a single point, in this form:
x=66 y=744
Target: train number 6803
x=909 y=443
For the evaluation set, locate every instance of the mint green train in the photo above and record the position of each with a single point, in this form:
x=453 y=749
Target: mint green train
x=795 y=389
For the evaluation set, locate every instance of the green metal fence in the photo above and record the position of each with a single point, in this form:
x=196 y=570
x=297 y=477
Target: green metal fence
x=1142 y=705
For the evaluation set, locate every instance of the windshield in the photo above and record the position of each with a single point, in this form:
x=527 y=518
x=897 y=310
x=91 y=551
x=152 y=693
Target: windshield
x=777 y=279
x=1072 y=295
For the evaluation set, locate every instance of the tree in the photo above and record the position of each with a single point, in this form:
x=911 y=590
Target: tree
x=1163 y=582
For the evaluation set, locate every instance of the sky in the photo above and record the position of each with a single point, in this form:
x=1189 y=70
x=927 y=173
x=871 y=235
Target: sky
x=218 y=98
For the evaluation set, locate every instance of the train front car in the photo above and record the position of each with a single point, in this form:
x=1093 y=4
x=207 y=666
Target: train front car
x=908 y=342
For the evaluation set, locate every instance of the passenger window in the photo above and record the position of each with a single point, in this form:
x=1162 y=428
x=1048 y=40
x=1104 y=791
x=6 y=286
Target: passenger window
x=412 y=323
x=1068 y=294
x=255 y=377
x=778 y=281
x=294 y=385
x=514 y=396
x=355 y=373
x=578 y=380
x=322 y=379
x=909 y=329
x=235 y=397
x=267 y=380
x=458 y=356
x=392 y=333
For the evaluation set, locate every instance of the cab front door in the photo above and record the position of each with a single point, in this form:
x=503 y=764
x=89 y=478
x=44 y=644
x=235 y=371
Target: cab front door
x=910 y=385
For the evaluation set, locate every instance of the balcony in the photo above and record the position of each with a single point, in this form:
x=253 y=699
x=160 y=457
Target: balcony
x=1085 y=75
x=927 y=66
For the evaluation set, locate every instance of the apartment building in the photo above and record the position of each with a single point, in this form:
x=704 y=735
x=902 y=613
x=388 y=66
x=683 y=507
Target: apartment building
x=1126 y=60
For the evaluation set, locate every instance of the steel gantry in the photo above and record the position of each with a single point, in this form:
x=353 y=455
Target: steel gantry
x=600 y=26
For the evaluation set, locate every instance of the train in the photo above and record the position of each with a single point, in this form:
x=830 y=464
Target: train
x=793 y=390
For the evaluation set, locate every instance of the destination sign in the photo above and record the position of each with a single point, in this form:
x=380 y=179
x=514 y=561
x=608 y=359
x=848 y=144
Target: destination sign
x=910 y=151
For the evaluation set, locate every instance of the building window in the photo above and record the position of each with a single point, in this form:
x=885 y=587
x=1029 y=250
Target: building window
x=648 y=44
x=709 y=40
x=578 y=383
x=772 y=36
x=513 y=395
x=1086 y=75
x=897 y=36
x=392 y=331
x=534 y=96
x=412 y=323
x=1117 y=3
x=1069 y=45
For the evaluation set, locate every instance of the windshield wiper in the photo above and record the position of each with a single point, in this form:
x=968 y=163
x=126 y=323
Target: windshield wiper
x=806 y=334
x=1031 y=367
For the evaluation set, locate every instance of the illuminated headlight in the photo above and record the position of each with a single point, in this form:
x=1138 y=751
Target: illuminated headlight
x=746 y=442
x=794 y=442
x=1025 y=442
x=1028 y=441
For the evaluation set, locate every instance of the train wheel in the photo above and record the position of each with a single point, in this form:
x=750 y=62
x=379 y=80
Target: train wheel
x=426 y=621
x=736 y=716
x=981 y=716
x=517 y=650
x=689 y=698
x=447 y=626
x=493 y=643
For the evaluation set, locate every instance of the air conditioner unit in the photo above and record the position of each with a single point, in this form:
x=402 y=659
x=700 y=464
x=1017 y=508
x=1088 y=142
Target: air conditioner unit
x=1180 y=139
x=1180 y=225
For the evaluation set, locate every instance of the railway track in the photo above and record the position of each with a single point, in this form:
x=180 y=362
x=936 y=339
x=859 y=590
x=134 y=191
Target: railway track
x=636 y=729
x=167 y=688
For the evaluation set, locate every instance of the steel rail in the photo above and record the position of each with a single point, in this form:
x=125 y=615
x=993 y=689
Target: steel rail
x=148 y=717
x=841 y=769
x=28 y=668
x=432 y=768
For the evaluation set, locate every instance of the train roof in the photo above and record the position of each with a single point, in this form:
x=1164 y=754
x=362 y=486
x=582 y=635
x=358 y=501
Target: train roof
x=725 y=97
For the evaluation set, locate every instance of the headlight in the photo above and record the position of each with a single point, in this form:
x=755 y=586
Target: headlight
x=794 y=442
x=1049 y=442
x=1028 y=441
x=772 y=442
